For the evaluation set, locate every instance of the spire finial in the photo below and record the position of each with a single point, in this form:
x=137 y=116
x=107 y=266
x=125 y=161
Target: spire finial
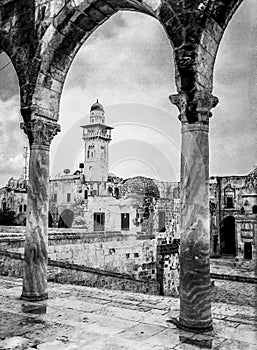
x=97 y=100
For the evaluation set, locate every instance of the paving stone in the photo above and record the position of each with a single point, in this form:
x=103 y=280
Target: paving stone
x=74 y=320
x=18 y=343
x=57 y=345
x=125 y=314
x=142 y=331
x=235 y=345
x=109 y=326
x=169 y=337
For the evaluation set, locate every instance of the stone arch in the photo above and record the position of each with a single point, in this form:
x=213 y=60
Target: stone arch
x=63 y=38
x=11 y=52
x=66 y=219
x=16 y=55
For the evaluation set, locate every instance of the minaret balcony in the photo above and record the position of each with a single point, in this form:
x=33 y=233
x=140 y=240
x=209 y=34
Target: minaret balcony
x=97 y=136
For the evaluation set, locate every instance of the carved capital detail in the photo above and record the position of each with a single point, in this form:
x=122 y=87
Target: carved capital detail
x=40 y=132
x=204 y=102
x=196 y=108
x=180 y=100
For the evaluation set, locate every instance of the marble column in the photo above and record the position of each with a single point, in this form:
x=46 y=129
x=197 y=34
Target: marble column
x=195 y=302
x=40 y=133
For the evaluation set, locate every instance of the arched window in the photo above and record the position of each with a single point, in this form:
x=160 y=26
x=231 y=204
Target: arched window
x=4 y=204
x=66 y=219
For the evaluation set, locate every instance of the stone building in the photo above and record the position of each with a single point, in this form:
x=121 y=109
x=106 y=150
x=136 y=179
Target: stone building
x=233 y=208
x=13 y=196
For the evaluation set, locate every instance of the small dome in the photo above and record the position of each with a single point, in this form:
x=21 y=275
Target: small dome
x=253 y=173
x=141 y=186
x=97 y=107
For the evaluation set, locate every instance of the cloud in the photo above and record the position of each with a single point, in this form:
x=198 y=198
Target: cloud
x=134 y=63
x=12 y=141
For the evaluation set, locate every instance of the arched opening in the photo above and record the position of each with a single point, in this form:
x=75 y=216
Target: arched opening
x=235 y=86
x=4 y=204
x=227 y=236
x=254 y=209
x=138 y=70
x=13 y=140
x=66 y=219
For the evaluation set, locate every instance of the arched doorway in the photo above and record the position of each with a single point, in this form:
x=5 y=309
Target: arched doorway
x=66 y=219
x=254 y=209
x=227 y=236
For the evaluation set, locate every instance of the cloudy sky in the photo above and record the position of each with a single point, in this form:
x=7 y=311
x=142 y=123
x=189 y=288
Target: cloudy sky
x=128 y=64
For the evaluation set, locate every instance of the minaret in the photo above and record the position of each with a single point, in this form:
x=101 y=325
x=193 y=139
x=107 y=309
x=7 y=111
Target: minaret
x=97 y=137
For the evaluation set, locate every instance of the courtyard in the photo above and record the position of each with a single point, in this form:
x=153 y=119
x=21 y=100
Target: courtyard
x=80 y=318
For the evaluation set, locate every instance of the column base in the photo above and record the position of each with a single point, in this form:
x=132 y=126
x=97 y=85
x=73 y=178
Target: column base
x=196 y=329
x=34 y=297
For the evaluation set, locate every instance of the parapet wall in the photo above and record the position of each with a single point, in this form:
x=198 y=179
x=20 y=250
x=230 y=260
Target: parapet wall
x=79 y=254
x=64 y=272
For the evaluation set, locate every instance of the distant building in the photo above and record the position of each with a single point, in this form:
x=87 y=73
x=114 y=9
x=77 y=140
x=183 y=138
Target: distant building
x=13 y=196
x=233 y=207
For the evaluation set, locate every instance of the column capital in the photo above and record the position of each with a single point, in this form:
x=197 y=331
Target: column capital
x=40 y=132
x=195 y=107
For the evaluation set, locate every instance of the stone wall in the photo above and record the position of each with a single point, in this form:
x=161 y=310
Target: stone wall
x=137 y=256
x=64 y=272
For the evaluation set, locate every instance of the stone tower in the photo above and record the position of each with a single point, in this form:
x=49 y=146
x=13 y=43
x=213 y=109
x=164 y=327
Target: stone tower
x=97 y=137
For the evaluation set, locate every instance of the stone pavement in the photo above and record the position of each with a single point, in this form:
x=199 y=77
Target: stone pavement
x=81 y=318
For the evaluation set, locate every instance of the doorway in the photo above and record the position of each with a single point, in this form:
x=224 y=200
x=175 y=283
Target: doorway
x=227 y=236
x=99 y=221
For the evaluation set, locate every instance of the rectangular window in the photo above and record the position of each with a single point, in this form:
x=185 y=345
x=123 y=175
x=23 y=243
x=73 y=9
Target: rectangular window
x=161 y=221
x=85 y=194
x=68 y=197
x=24 y=207
x=20 y=209
x=55 y=197
x=230 y=202
x=125 y=221
x=99 y=222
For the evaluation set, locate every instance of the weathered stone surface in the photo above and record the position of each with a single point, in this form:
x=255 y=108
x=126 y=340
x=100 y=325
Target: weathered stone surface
x=195 y=303
x=30 y=28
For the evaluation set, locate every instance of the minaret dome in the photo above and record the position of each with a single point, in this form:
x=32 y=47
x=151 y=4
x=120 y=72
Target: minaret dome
x=97 y=113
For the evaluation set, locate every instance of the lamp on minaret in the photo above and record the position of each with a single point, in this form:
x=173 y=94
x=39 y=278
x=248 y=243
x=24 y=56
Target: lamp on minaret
x=97 y=137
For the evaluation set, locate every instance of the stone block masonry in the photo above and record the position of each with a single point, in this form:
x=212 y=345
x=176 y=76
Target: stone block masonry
x=130 y=257
x=64 y=272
